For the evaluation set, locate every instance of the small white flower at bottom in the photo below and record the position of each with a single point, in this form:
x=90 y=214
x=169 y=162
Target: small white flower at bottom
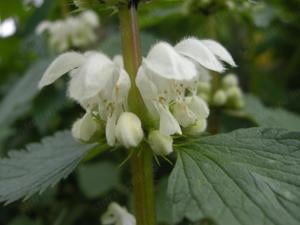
x=117 y=215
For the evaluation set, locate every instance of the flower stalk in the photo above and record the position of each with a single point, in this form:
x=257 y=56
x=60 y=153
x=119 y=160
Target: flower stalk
x=142 y=160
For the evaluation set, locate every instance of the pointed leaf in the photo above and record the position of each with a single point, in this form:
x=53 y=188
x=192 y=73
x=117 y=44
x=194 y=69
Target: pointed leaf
x=16 y=101
x=42 y=165
x=250 y=176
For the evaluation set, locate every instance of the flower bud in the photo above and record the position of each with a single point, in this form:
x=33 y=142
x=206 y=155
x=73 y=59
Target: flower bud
x=129 y=130
x=160 y=144
x=85 y=128
x=198 y=128
x=234 y=92
x=230 y=80
x=219 y=98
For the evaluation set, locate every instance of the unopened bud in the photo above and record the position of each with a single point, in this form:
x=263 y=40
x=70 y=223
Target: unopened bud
x=198 y=128
x=160 y=144
x=230 y=80
x=129 y=130
x=85 y=128
x=234 y=93
x=219 y=98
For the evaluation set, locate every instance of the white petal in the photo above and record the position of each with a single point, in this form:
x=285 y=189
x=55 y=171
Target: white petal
x=122 y=87
x=164 y=61
x=198 y=106
x=147 y=89
x=84 y=128
x=93 y=69
x=196 y=50
x=203 y=74
x=117 y=215
x=118 y=59
x=221 y=52
x=110 y=129
x=183 y=114
x=96 y=74
x=168 y=125
x=129 y=130
x=60 y=66
x=160 y=144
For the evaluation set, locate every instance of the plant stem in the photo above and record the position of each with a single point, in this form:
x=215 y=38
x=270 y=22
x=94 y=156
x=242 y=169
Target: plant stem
x=141 y=161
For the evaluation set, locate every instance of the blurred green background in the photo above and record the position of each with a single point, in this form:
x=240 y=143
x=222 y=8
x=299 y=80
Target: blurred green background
x=263 y=37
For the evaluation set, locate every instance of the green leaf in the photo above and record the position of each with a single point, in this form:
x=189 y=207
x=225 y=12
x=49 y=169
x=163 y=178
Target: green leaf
x=98 y=178
x=17 y=100
x=163 y=204
x=39 y=166
x=249 y=176
x=268 y=117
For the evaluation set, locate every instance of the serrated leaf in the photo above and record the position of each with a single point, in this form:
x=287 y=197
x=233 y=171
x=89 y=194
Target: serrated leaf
x=271 y=117
x=250 y=176
x=17 y=100
x=39 y=166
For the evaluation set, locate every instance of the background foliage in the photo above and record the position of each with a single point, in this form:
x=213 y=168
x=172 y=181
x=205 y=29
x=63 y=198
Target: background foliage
x=263 y=37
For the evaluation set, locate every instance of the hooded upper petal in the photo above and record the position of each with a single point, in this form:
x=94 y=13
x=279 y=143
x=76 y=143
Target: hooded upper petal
x=164 y=61
x=196 y=50
x=60 y=66
x=221 y=52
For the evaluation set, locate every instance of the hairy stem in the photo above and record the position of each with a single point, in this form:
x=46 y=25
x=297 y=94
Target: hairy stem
x=141 y=161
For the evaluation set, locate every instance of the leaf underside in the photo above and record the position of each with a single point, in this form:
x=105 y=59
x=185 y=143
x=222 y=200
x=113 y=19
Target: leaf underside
x=246 y=177
x=33 y=170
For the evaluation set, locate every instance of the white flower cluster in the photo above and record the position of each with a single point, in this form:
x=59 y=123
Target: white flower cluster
x=168 y=80
x=225 y=93
x=117 y=215
x=72 y=32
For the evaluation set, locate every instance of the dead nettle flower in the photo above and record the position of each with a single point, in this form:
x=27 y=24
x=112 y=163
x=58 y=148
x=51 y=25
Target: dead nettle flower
x=72 y=32
x=98 y=84
x=117 y=215
x=168 y=81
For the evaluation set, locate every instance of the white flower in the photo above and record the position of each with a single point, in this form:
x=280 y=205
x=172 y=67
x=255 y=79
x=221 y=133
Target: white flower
x=163 y=79
x=160 y=144
x=117 y=215
x=129 y=130
x=90 y=18
x=97 y=83
x=191 y=109
x=71 y=32
x=84 y=128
